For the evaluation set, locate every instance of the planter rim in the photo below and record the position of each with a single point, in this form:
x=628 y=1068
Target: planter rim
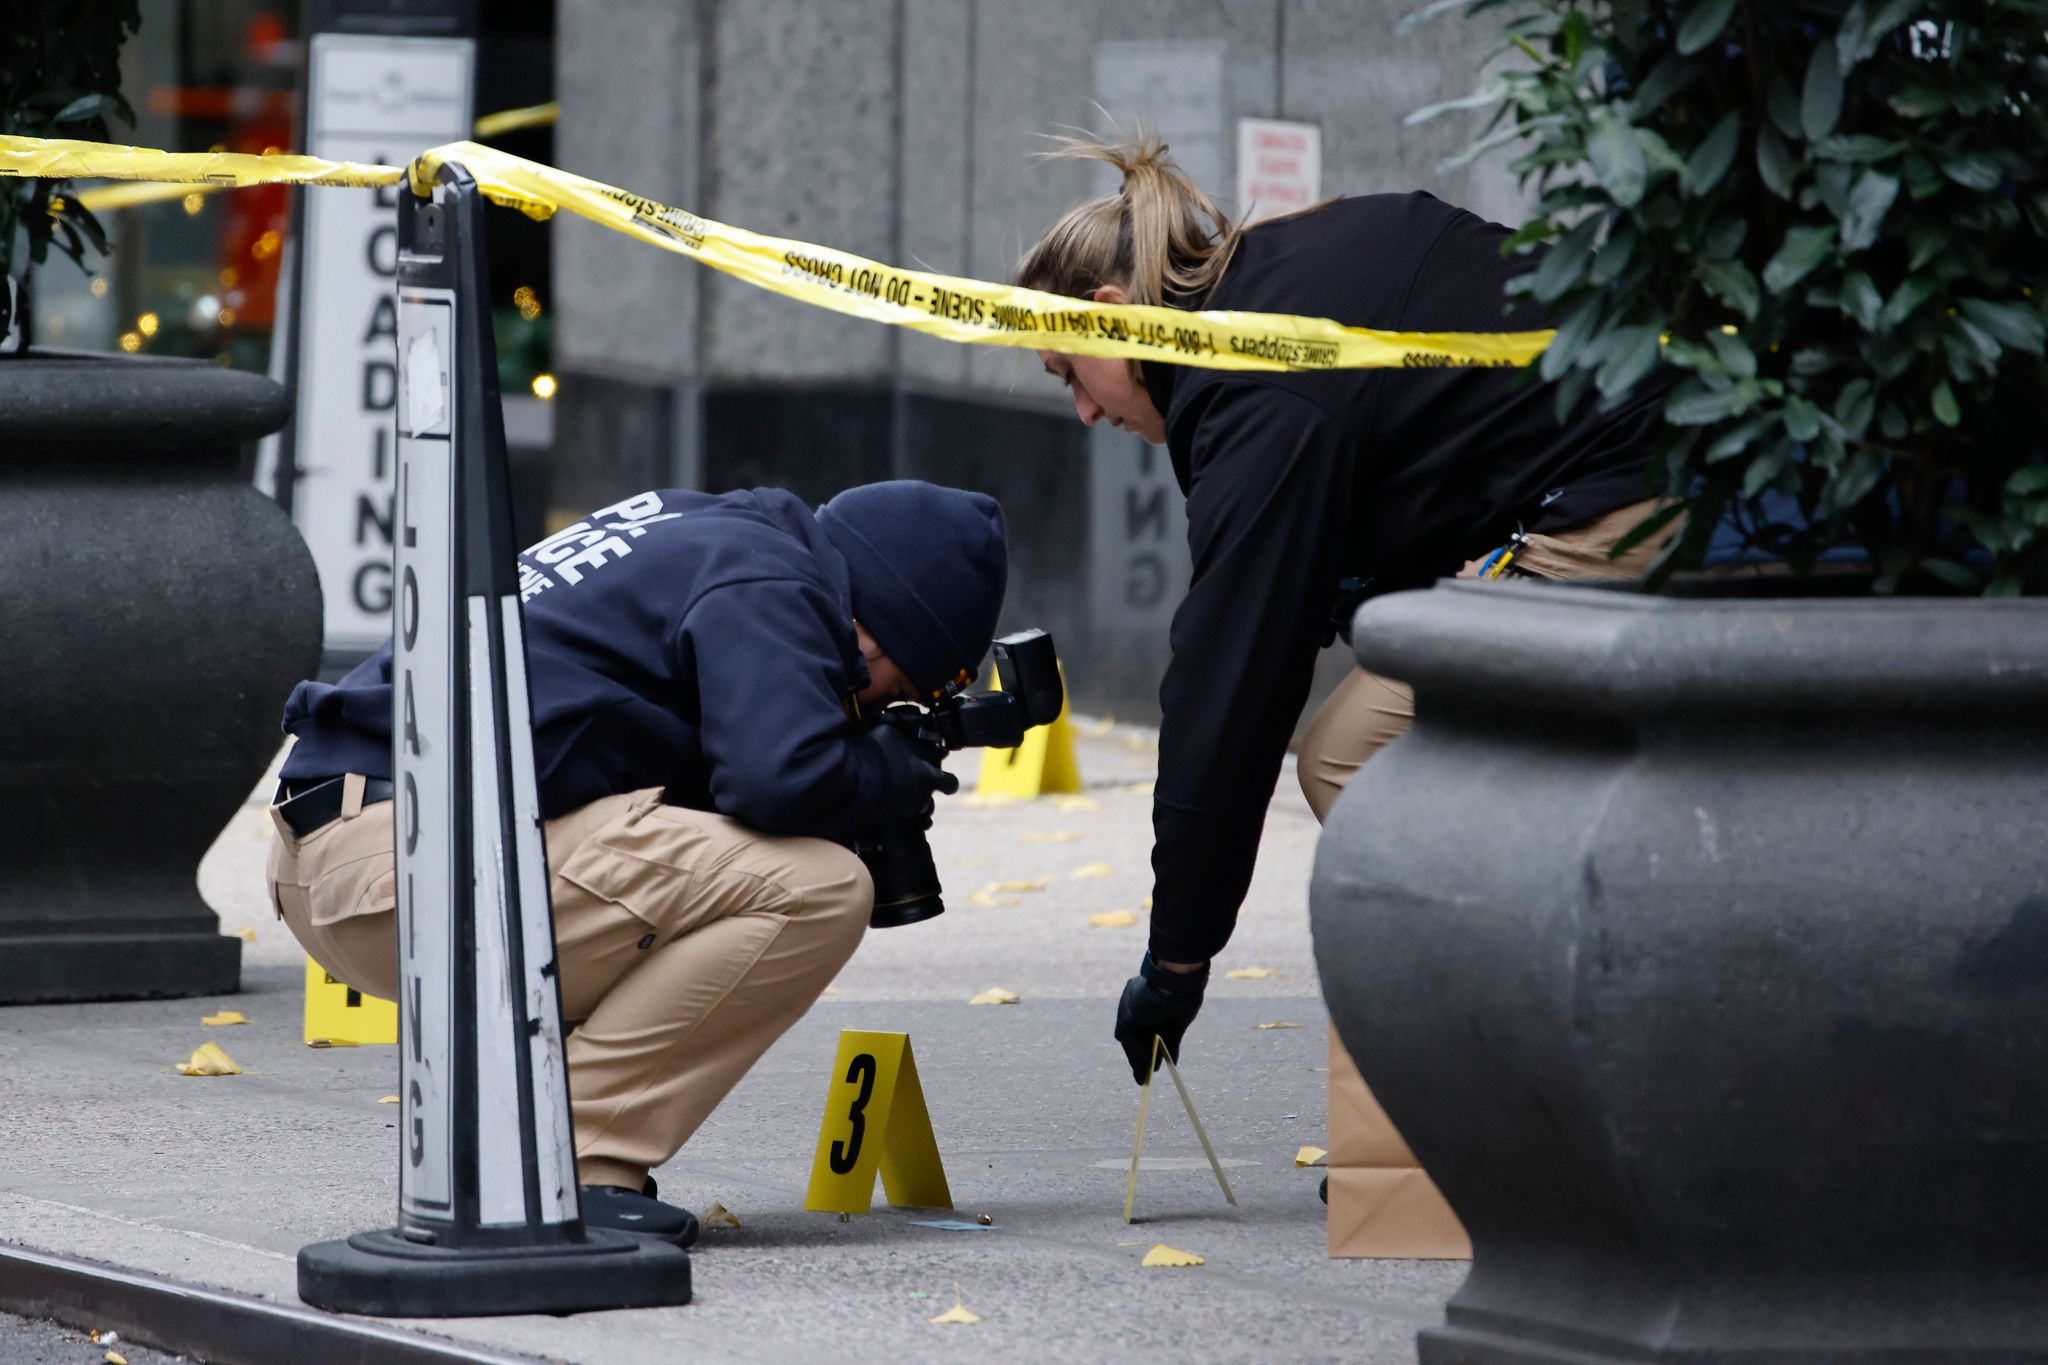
x=86 y=400
x=1576 y=648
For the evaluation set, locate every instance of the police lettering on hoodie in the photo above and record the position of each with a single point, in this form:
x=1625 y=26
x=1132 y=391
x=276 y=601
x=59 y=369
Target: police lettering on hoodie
x=569 y=554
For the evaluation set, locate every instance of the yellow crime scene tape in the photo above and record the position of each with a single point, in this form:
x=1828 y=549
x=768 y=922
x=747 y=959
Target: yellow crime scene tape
x=137 y=193
x=946 y=306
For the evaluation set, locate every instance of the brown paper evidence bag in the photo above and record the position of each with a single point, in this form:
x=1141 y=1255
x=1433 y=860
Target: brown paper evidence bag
x=1383 y=1205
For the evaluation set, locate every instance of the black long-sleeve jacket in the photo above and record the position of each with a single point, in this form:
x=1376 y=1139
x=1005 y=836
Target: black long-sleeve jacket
x=1297 y=481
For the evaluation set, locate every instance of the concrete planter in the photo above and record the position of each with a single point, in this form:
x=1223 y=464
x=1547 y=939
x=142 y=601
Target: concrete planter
x=1700 y=950
x=155 y=610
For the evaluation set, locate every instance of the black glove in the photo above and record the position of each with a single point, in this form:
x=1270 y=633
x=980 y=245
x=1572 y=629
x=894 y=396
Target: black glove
x=1157 y=1002
x=910 y=774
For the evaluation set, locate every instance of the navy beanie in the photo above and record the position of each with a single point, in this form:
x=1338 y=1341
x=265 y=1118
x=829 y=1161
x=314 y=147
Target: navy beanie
x=928 y=566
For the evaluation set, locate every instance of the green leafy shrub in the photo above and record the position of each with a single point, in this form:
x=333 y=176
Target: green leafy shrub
x=60 y=76
x=1833 y=216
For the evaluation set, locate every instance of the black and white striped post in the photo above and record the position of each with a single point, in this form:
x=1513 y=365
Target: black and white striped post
x=489 y=1220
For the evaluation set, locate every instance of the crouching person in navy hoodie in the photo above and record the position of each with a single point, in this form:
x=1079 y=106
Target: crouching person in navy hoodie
x=699 y=665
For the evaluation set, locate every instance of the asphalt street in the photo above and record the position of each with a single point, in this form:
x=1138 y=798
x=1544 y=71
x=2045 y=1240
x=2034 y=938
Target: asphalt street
x=111 y=1154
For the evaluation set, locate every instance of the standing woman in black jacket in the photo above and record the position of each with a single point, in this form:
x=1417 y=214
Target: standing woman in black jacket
x=1307 y=491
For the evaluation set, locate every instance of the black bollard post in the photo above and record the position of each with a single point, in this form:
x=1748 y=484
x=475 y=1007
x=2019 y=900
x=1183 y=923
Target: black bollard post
x=489 y=1220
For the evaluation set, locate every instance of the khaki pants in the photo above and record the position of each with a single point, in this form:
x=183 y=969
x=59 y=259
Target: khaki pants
x=687 y=944
x=1367 y=712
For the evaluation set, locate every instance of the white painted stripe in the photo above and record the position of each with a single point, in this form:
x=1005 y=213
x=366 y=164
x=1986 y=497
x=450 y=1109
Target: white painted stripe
x=554 y=1149
x=500 y=1172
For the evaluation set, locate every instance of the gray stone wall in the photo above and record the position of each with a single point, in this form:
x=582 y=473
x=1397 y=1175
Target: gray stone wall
x=905 y=130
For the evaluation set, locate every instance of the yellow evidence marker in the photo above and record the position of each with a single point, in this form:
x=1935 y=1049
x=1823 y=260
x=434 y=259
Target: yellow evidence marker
x=875 y=1119
x=339 y=1015
x=1044 y=764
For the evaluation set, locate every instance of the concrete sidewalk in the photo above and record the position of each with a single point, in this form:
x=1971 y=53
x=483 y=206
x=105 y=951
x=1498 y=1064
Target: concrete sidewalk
x=112 y=1155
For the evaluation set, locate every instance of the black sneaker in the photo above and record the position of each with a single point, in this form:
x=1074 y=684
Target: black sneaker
x=621 y=1210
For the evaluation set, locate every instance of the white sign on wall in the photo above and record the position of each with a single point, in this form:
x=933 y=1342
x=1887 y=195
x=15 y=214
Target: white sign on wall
x=379 y=100
x=1279 y=167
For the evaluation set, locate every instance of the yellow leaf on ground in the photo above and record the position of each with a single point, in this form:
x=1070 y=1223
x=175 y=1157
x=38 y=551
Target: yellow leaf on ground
x=1310 y=1156
x=116 y=1358
x=387 y=1099
x=971 y=860
x=831 y=990
x=989 y=800
x=1251 y=973
x=208 y=1060
x=1140 y=743
x=223 y=1019
x=1166 y=1255
x=1097 y=728
x=1146 y=903
x=987 y=896
x=995 y=995
x=1020 y=885
x=957 y=1313
x=718 y=1215
x=1069 y=805
x=1091 y=870
x=1052 y=836
x=246 y=935
x=1278 y=1024
x=1112 y=919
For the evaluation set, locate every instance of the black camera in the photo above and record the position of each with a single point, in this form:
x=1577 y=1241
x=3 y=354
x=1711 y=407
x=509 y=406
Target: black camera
x=898 y=858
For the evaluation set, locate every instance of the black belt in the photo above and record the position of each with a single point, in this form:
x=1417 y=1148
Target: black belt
x=307 y=808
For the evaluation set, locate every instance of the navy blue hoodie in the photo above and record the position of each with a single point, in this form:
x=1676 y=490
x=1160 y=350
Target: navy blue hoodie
x=699 y=642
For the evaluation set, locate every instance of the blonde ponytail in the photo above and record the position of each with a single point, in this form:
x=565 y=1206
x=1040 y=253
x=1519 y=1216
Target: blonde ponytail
x=1159 y=238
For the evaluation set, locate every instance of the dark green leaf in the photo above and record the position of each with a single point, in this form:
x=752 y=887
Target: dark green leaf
x=1733 y=353
x=1715 y=154
x=1946 y=411
x=1853 y=482
x=1724 y=238
x=1926 y=241
x=1570 y=391
x=2017 y=327
x=83 y=108
x=1860 y=299
x=1948 y=571
x=1782 y=103
x=1693 y=405
x=1765 y=467
x=1574 y=330
x=1859 y=148
x=1617 y=157
x=1738 y=439
x=1666 y=79
x=1869 y=201
x=1972 y=171
x=1854 y=406
x=2028 y=481
x=1820 y=104
x=1919 y=101
x=1703 y=23
x=1631 y=353
x=1802 y=419
x=1732 y=284
x=1862 y=31
x=1804 y=248
x=1776 y=163
x=1907 y=300
x=1565 y=264
x=1615 y=256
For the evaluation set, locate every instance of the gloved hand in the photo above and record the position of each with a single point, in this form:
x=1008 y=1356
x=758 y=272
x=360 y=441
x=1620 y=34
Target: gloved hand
x=910 y=774
x=1157 y=1002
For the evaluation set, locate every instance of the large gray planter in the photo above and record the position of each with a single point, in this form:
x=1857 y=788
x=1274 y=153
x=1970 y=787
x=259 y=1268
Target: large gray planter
x=1700 y=950
x=155 y=609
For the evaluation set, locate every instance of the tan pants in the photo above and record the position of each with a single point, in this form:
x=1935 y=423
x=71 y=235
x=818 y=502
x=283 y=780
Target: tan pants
x=687 y=942
x=1367 y=712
